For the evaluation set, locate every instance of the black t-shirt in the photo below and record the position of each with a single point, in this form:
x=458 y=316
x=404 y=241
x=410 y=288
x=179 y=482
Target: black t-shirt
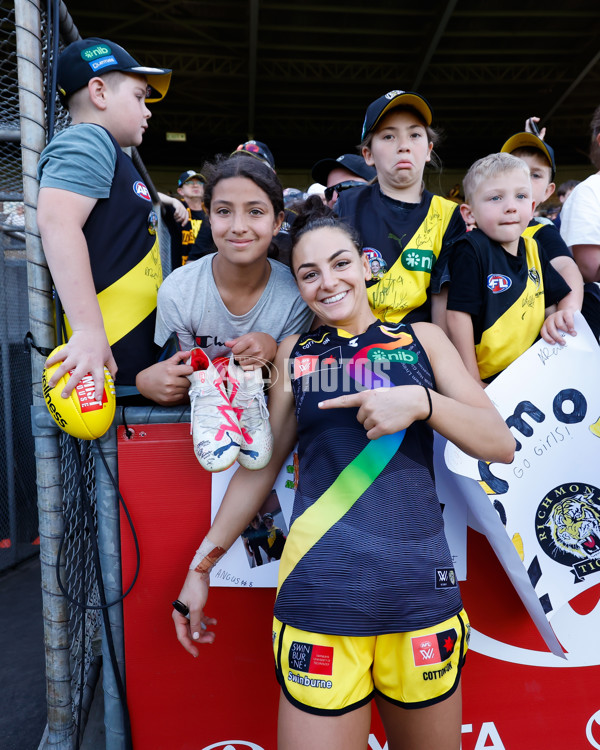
x=549 y=239
x=407 y=246
x=184 y=237
x=505 y=295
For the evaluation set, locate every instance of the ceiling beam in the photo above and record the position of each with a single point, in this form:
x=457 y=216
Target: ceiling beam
x=592 y=63
x=433 y=45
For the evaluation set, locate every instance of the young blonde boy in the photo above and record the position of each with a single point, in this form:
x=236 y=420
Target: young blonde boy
x=96 y=218
x=502 y=286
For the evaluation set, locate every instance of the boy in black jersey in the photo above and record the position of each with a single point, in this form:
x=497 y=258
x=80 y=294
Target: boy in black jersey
x=503 y=286
x=539 y=157
x=185 y=225
x=96 y=218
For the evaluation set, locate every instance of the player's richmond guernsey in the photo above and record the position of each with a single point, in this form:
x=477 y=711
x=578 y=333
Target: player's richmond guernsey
x=125 y=260
x=403 y=243
x=366 y=553
x=506 y=296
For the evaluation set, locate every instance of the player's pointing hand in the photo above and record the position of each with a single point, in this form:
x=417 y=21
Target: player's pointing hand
x=383 y=411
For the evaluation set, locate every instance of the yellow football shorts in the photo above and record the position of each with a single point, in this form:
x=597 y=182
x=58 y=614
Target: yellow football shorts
x=333 y=674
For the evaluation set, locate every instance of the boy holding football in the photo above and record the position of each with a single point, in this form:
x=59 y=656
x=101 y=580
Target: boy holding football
x=96 y=219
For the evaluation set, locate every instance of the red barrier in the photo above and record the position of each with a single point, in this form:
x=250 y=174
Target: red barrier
x=229 y=695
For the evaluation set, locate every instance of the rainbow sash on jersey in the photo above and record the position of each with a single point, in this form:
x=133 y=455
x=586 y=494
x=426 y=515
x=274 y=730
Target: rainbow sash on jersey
x=353 y=481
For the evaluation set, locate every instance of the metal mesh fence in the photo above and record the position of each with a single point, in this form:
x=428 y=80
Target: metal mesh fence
x=18 y=511
x=78 y=477
x=11 y=182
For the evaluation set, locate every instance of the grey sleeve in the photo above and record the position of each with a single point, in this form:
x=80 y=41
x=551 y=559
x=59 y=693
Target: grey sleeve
x=168 y=319
x=173 y=314
x=299 y=319
x=80 y=159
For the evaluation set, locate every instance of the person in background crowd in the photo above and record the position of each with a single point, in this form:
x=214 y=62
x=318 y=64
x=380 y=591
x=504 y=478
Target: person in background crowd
x=580 y=216
x=317 y=189
x=580 y=229
x=563 y=191
x=348 y=170
x=184 y=217
x=539 y=157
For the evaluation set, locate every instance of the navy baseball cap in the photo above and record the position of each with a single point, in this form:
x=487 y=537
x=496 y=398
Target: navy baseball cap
x=87 y=58
x=352 y=162
x=529 y=140
x=189 y=175
x=258 y=150
x=377 y=109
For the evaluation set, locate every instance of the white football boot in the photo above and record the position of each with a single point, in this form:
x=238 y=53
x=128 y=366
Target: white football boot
x=215 y=428
x=247 y=396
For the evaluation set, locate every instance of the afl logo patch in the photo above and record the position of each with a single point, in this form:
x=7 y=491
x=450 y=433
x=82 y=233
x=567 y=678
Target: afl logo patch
x=141 y=190
x=497 y=282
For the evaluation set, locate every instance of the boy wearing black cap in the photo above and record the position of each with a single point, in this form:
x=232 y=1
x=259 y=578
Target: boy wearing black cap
x=184 y=226
x=539 y=157
x=96 y=218
x=347 y=171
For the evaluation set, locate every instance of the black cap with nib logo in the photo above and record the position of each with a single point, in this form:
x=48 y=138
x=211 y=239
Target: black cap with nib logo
x=87 y=58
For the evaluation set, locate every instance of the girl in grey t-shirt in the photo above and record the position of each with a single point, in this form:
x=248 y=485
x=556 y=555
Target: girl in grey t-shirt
x=237 y=300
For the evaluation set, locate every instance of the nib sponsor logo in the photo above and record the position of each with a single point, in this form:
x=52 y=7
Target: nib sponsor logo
x=434 y=648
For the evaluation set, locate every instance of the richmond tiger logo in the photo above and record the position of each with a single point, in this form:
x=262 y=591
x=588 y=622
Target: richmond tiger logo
x=575 y=526
x=568 y=523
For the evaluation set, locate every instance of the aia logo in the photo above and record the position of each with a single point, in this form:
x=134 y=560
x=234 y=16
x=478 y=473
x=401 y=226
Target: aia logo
x=497 y=282
x=141 y=190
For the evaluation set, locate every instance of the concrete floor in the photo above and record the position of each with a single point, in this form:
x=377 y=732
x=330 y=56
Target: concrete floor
x=22 y=667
